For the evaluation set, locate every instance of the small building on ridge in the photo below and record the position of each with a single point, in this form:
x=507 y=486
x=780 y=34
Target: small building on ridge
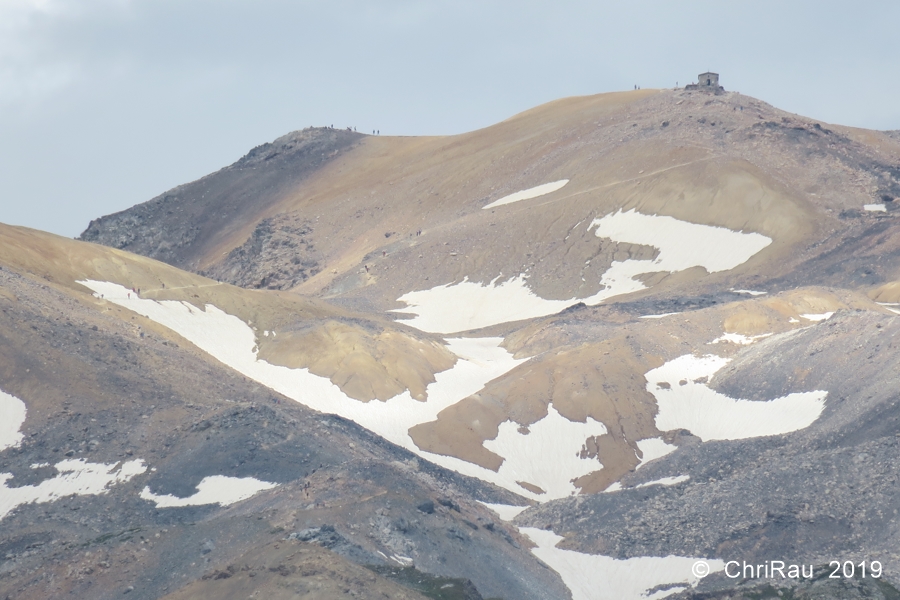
x=706 y=82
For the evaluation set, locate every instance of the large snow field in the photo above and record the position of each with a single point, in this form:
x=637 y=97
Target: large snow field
x=685 y=401
x=215 y=489
x=76 y=476
x=682 y=245
x=596 y=577
x=12 y=415
x=232 y=342
x=534 y=192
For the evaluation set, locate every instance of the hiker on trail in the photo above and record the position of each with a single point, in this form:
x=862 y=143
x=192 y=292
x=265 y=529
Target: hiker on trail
x=383 y=253
x=367 y=268
x=129 y=295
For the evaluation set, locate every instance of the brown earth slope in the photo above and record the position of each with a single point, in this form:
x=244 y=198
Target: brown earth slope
x=358 y=353
x=726 y=160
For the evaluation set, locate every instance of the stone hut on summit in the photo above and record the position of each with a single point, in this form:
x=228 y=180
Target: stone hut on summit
x=706 y=82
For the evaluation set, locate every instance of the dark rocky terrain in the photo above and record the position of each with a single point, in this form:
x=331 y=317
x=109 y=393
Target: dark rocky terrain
x=257 y=263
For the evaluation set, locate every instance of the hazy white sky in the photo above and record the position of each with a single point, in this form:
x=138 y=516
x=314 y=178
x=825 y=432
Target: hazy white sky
x=107 y=103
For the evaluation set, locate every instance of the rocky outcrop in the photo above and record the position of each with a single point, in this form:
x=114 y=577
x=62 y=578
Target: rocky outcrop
x=180 y=224
x=278 y=255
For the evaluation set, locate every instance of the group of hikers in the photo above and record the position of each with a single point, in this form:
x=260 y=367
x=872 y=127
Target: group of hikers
x=374 y=131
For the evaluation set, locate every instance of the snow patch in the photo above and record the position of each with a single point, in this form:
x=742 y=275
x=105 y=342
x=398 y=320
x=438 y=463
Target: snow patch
x=818 y=317
x=658 y=316
x=596 y=577
x=506 y=512
x=76 y=476
x=891 y=306
x=215 y=489
x=534 y=192
x=653 y=448
x=661 y=481
x=875 y=207
x=468 y=305
x=12 y=415
x=740 y=340
x=682 y=245
x=665 y=481
x=548 y=455
x=749 y=292
x=689 y=403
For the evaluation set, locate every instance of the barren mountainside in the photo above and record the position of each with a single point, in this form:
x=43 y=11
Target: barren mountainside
x=571 y=355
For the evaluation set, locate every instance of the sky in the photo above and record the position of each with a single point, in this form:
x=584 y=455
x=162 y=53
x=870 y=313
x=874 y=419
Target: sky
x=107 y=103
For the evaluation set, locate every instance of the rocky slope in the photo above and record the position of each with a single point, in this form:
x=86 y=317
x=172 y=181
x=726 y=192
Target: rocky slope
x=644 y=328
x=106 y=388
x=178 y=224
